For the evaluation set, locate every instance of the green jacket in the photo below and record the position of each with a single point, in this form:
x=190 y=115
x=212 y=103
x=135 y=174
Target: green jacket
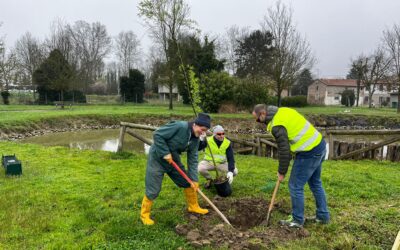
x=175 y=138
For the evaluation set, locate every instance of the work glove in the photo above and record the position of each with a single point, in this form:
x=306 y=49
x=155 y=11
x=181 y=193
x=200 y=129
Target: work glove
x=203 y=136
x=281 y=177
x=168 y=158
x=229 y=175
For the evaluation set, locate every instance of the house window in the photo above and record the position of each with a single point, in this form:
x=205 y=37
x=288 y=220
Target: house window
x=336 y=98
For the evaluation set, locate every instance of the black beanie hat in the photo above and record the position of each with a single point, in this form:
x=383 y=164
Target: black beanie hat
x=203 y=119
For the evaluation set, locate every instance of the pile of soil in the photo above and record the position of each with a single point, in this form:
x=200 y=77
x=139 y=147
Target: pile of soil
x=249 y=232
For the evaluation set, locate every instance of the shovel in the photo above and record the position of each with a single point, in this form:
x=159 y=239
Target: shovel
x=201 y=193
x=271 y=204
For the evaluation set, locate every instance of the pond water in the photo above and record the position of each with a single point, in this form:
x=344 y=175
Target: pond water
x=102 y=139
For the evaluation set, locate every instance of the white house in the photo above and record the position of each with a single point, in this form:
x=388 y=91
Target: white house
x=328 y=92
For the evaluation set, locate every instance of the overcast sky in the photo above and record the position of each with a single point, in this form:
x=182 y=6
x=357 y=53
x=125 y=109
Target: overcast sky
x=337 y=30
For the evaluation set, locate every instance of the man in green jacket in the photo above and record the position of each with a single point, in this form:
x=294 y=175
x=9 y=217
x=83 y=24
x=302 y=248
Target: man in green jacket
x=170 y=141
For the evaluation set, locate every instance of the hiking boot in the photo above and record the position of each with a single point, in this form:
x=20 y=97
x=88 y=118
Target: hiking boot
x=290 y=222
x=314 y=219
x=208 y=184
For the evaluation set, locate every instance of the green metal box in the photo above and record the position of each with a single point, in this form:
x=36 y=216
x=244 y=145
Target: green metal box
x=11 y=165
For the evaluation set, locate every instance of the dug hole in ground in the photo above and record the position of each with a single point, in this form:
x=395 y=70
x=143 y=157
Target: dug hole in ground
x=246 y=216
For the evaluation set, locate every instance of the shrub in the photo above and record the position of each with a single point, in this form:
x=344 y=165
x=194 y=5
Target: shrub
x=247 y=93
x=48 y=96
x=294 y=101
x=5 y=95
x=215 y=88
x=348 y=98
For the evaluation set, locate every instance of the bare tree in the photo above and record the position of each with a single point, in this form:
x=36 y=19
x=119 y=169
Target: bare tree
x=30 y=54
x=376 y=69
x=166 y=19
x=91 y=45
x=127 y=50
x=8 y=68
x=1 y=41
x=112 y=78
x=228 y=45
x=61 y=39
x=292 y=52
x=391 y=40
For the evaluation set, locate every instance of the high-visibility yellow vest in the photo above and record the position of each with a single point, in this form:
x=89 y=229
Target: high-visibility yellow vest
x=218 y=153
x=301 y=133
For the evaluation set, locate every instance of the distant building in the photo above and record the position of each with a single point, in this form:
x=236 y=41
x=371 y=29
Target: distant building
x=163 y=92
x=328 y=92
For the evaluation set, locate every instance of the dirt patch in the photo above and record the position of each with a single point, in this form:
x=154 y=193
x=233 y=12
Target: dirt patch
x=246 y=215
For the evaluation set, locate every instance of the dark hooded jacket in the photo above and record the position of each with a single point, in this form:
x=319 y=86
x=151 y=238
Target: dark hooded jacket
x=282 y=140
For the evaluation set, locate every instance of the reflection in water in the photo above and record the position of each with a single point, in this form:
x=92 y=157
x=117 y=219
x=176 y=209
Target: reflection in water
x=105 y=139
x=105 y=145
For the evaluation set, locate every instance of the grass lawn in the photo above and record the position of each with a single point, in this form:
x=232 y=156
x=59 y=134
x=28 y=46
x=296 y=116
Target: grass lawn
x=71 y=199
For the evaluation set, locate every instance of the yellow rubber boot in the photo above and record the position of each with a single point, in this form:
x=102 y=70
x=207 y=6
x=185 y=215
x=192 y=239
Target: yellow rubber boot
x=145 y=211
x=191 y=198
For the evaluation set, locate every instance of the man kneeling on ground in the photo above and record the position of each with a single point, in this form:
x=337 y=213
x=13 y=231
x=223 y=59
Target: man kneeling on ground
x=222 y=152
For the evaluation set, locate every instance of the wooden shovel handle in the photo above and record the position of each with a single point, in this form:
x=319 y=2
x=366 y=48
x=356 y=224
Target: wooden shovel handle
x=271 y=204
x=396 y=245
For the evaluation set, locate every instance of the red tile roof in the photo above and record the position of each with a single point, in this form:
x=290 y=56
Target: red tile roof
x=339 y=82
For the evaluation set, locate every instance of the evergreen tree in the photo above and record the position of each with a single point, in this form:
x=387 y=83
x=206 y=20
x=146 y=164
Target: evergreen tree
x=132 y=87
x=200 y=56
x=303 y=82
x=54 y=74
x=254 y=55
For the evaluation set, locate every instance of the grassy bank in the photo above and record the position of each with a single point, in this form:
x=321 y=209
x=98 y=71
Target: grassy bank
x=74 y=199
x=22 y=118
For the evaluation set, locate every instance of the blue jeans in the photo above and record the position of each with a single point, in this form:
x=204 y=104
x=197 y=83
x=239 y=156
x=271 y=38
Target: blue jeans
x=307 y=168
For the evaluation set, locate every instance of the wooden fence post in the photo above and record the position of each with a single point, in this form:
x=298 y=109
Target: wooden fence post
x=121 y=138
x=259 y=149
x=330 y=146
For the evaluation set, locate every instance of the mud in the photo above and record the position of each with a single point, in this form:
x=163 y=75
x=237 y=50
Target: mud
x=248 y=232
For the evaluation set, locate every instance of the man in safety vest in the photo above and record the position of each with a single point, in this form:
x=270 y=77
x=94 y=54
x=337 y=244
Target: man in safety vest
x=170 y=141
x=293 y=133
x=222 y=152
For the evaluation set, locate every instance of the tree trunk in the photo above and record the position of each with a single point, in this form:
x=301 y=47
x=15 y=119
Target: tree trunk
x=279 y=92
x=370 y=100
x=62 y=98
x=170 y=96
x=358 y=92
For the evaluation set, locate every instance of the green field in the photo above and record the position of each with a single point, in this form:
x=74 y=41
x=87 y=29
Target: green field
x=71 y=199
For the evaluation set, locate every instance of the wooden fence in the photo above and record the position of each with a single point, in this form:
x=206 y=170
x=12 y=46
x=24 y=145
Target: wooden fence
x=261 y=145
x=343 y=150
x=264 y=144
